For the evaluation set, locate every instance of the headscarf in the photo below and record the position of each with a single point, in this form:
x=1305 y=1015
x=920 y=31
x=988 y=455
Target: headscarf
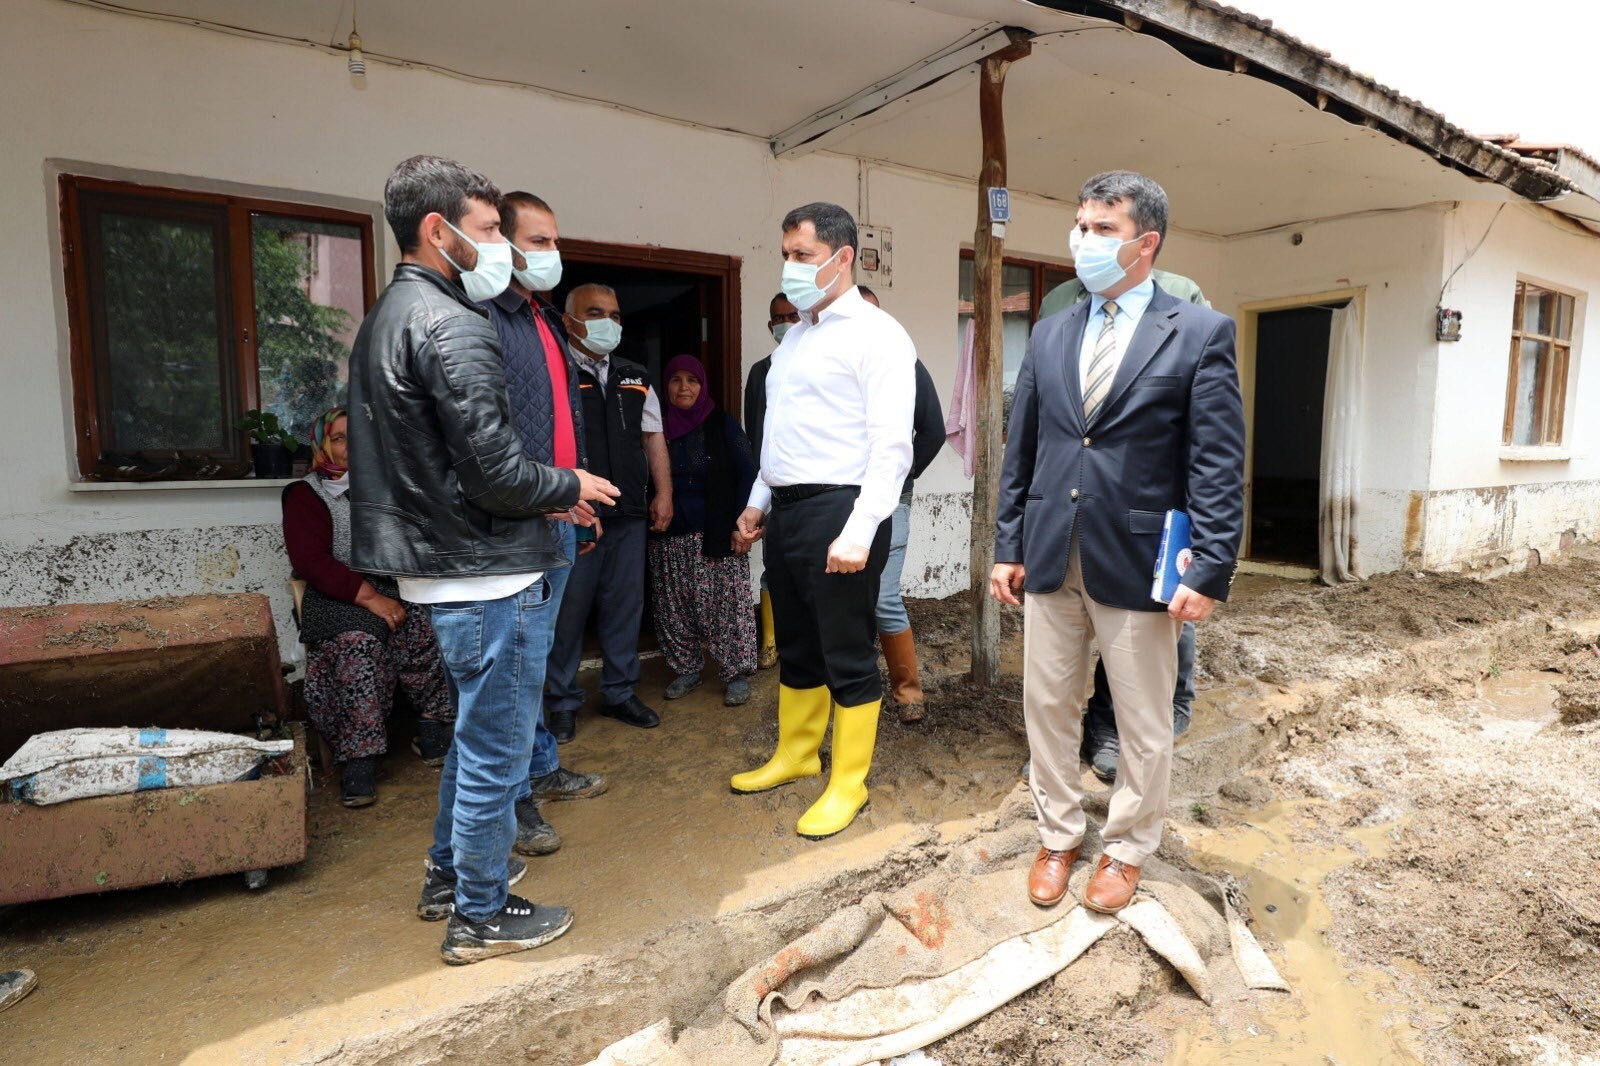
x=678 y=421
x=321 y=458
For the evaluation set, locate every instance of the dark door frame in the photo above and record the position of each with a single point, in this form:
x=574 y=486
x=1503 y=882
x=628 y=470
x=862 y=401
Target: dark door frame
x=719 y=340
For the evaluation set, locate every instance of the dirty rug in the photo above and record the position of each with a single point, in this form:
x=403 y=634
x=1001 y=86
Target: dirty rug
x=900 y=970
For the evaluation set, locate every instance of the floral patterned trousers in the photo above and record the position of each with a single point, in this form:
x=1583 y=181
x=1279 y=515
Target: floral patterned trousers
x=702 y=602
x=351 y=678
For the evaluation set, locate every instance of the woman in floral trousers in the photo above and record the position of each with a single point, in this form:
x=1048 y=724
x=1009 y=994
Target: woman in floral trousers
x=361 y=639
x=699 y=573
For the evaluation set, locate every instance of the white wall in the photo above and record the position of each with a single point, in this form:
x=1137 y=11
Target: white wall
x=190 y=107
x=1395 y=258
x=1490 y=504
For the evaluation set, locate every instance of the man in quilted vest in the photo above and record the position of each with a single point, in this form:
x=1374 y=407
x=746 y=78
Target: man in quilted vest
x=542 y=384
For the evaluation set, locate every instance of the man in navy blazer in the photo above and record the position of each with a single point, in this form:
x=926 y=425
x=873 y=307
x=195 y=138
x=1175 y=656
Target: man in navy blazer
x=1127 y=406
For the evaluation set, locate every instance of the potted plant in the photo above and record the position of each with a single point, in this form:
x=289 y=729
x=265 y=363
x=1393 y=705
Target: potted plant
x=272 y=447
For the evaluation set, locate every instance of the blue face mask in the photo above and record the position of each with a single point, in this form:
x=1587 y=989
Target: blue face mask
x=799 y=285
x=1094 y=257
x=491 y=275
x=779 y=330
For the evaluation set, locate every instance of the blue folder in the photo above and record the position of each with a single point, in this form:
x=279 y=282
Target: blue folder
x=1173 y=559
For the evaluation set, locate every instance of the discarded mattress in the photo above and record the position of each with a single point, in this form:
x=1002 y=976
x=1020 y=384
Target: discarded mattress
x=70 y=764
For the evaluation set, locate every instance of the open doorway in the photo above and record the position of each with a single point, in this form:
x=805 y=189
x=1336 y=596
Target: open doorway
x=673 y=302
x=1291 y=374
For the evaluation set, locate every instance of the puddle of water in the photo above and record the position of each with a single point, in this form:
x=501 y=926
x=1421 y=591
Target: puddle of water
x=1336 y=1014
x=1516 y=703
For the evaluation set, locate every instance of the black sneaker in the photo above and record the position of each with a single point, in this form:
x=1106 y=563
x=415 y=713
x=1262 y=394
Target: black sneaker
x=432 y=742
x=1103 y=761
x=564 y=784
x=535 y=836
x=358 y=785
x=438 y=900
x=563 y=725
x=1181 y=717
x=520 y=925
x=633 y=711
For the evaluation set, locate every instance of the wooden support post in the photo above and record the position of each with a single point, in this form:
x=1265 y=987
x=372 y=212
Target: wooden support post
x=988 y=356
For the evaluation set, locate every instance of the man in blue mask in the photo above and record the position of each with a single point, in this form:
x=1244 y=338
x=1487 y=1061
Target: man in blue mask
x=782 y=316
x=444 y=499
x=835 y=451
x=1126 y=406
x=623 y=442
x=542 y=381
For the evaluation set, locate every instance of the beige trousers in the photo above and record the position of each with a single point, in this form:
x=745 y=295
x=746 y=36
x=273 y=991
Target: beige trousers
x=1140 y=650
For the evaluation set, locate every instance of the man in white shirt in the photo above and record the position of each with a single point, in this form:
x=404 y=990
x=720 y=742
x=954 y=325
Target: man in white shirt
x=835 y=452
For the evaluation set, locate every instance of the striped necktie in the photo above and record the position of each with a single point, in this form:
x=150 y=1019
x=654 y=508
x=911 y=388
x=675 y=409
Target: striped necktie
x=1102 y=364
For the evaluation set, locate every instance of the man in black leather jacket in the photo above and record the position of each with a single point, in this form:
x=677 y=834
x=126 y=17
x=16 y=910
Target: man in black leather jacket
x=447 y=502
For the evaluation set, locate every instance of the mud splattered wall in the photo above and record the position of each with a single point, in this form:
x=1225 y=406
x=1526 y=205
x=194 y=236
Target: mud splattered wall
x=108 y=566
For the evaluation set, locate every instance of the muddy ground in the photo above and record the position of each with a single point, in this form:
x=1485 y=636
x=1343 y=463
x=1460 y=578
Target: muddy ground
x=1421 y=848
x=1399 y=775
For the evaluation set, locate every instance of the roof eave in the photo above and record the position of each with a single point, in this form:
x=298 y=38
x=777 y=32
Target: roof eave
x=1224 y=38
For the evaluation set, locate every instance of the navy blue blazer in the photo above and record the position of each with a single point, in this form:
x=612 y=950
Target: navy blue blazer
x=1170 y=435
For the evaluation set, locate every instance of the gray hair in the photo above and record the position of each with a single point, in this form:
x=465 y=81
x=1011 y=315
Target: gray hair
x=572 y=297
x=1147 y=201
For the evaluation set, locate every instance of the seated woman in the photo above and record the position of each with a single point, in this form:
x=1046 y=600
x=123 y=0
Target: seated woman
x=360 y=638
x=699 y=573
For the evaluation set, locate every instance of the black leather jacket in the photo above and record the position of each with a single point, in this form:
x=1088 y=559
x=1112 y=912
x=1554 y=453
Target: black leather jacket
x=439 y=484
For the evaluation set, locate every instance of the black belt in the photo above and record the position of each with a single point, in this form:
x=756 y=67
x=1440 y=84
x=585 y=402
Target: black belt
x=796 y=493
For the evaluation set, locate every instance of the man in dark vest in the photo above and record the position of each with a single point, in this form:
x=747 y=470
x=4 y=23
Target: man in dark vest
x=542 y=384
x=622 y=436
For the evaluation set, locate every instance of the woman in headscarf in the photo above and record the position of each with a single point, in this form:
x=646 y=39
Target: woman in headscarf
x=699 y=572
x=361 y=639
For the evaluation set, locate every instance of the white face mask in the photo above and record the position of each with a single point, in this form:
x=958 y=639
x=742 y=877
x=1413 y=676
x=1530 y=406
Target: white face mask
x=799 y=284
x=543 y=271
x=603 y=335
x=492 y=273
x=779 y=330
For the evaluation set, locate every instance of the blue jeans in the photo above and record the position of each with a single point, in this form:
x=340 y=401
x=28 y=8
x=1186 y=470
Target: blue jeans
x=892 y=617
x=545 y=759
x=495 y=652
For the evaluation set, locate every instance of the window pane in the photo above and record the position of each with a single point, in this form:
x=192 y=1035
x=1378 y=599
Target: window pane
x=1564 y=307
x=1525 y=428
x=1538 y=310
x=310 y=296
x=163 y=357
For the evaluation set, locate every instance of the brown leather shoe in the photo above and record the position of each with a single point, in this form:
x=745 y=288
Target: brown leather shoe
x=1111 y=887
x=1047 y=881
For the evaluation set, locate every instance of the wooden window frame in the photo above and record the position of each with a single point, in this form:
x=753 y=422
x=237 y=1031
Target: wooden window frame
x=1036 y=291
x=235 y=307
x=1550 y=389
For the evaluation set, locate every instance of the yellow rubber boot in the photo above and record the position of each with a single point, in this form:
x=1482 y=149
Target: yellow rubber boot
x=802 y=719
x=767 y=657
x=855 y=733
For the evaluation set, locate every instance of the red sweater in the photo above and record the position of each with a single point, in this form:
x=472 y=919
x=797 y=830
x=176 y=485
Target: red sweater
x=308 y=534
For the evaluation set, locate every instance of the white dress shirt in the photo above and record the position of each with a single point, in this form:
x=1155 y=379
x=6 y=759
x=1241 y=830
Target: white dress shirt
x=650 y=420
x=1130 y=308
x=841 y=397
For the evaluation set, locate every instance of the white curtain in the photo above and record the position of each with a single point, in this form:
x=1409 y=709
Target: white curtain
x=1341 y=449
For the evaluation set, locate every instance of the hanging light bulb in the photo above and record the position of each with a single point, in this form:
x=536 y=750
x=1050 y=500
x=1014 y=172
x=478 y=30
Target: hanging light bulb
x=357 y=62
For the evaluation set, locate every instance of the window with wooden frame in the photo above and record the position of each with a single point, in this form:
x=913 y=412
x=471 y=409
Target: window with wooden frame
x=1541 y=352
x=1024 y=283
x=187 y=309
